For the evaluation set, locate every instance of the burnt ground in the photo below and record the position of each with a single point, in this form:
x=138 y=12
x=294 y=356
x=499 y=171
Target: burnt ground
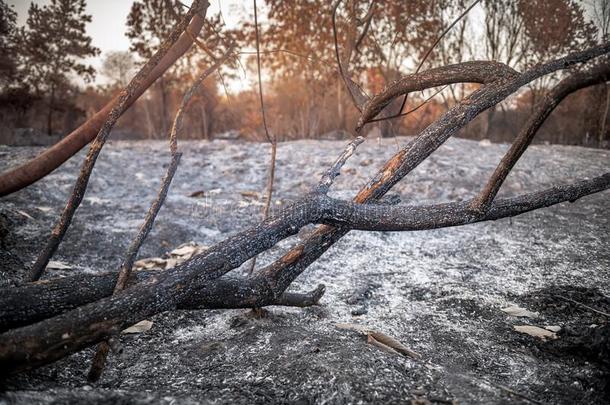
x=439 y=292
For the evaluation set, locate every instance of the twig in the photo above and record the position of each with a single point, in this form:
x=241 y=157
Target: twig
x=597 y=311
x=271 y=139
x=260 y=82
x=329 y=176
x=368 y=18
x=192 y=37
x=412 y=110
x=356 y=93
x=513 y=392
x=290 y=52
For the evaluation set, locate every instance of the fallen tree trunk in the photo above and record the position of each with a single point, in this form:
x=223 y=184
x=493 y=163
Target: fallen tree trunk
x=22 y=176
x=33 y=302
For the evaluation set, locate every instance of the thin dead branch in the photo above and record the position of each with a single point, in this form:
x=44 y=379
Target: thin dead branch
x=356 y=93
x=412 y=110
x=328 y=178
x=99 y=359
x=272 y=139
x=121 y=105
x=429 y=52
x=580 y=304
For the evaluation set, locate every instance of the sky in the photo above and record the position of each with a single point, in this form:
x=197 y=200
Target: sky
x=107 y=28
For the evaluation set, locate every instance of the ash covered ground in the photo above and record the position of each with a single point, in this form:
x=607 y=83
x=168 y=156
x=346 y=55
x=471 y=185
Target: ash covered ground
x=439 y=292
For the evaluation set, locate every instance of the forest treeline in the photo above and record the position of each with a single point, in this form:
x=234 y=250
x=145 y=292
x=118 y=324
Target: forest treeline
x=46 y=85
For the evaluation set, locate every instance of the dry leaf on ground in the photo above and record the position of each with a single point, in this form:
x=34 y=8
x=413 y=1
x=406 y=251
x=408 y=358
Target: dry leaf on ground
x=380 y=340
x=177 y=256
x=57 y=265
x=250 y=194
x=393 y=344
x=25 y=214
x=198 y=193
x=150 y=263
x=139 y=327
x=536 y=331
x=515 y=310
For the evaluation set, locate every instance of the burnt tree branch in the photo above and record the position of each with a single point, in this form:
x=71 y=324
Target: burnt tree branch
x=48 y=340
x=296 y=260
x=53 y=338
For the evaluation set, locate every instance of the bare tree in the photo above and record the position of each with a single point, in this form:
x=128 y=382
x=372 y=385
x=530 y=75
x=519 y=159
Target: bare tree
x=118 y=66
x=600 y=10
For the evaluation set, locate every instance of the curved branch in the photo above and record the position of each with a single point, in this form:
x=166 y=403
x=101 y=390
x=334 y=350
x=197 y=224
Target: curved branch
x=466 y=72
x=28 y=173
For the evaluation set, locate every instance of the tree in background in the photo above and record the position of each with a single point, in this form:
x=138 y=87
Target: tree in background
x=8 y=48
x=148 y=23
x=53 y=45
x=15 y=99
x=118 y=67
x=298 y=41
x=600 y=11
x=522 y=33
